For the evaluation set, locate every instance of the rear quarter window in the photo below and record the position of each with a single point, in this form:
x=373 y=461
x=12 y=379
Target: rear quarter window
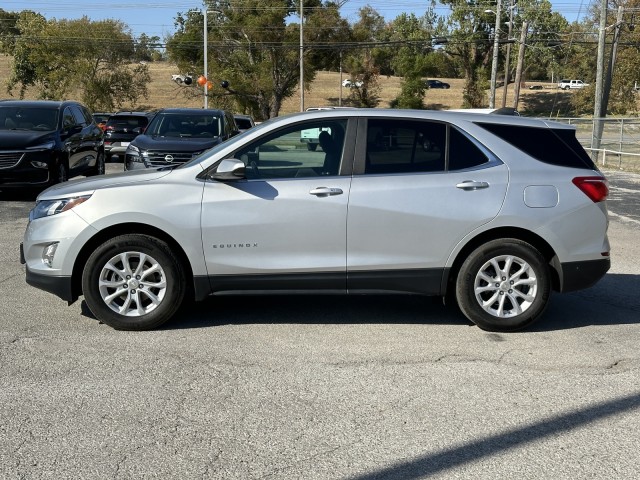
x=556 y=146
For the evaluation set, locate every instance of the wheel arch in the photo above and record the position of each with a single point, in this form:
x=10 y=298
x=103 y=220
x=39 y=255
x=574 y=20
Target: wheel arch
x=528 y=236
x=122 y=229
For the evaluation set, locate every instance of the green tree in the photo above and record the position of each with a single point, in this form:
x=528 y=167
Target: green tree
x=363 y=63
x=76 y=55
x=410 y=40
x=146 y=48
x=254 y=47
x=581 y=60
x=8 y=30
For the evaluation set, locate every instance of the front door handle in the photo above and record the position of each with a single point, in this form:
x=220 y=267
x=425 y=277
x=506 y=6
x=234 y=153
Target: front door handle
x=471 y=185
x=326 y=191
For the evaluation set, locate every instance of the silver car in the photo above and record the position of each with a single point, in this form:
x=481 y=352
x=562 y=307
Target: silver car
x=491 y=211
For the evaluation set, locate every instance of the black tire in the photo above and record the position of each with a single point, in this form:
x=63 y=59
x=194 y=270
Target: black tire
x=145 y=300
x=520 y=293
x=60 y=173
x=312 y=147
x=99 y=168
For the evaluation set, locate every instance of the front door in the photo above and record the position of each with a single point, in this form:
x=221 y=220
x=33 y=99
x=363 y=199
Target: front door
x=284 y=226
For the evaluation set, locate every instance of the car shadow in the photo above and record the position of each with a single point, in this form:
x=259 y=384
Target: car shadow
x=19 y=195
x=315 y=309
x=612 y=301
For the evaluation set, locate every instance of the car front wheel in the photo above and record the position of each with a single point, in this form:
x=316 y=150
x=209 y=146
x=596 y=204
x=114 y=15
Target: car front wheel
x=133 y=282
x=503 y=285
x=99 y=168
x=60 y=173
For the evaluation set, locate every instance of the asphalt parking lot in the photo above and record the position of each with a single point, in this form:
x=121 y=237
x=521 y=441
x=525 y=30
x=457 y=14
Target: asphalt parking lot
x=323 y=387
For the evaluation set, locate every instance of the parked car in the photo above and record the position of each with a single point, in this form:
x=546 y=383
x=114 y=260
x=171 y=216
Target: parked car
x=46 y=142
x=101 y=119
x=182 y=79
x=437 y=84
x=121 y=129
x=496 y=213
x=348 y=83
x=176 y=135
x=571 y=84
x=244 y=122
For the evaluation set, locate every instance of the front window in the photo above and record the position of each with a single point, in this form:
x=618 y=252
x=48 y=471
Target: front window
x=310 y=149
x=185 y=125
x=39 y=119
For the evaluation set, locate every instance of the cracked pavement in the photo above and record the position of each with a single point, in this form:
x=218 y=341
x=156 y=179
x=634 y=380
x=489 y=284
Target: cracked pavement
x=323 y=387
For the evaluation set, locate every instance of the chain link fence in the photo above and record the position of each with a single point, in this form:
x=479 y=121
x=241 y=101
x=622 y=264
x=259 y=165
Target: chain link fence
x=619 y=145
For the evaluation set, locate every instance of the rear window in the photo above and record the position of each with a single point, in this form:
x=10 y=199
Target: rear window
x=243 y=123
x=128 y=121
x=557 y=146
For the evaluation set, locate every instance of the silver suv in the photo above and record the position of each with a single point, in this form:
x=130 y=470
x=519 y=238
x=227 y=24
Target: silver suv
x=492 y=211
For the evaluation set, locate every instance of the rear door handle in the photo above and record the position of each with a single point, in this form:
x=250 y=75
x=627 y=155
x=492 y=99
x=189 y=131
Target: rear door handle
x=471 y=185
x=326 y=191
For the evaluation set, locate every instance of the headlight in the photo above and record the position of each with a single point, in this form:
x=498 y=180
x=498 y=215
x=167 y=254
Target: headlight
x=133 y=154
x=46 y=208
x=43 y=146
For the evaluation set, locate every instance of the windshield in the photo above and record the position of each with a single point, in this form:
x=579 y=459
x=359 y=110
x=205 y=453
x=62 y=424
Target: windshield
x=36 y=118
x=191 y=125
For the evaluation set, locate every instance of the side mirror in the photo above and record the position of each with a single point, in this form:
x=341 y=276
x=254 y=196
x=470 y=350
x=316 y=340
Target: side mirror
x=229 y=169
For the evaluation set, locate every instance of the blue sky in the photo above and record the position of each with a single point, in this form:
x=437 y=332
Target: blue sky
x=155 y=17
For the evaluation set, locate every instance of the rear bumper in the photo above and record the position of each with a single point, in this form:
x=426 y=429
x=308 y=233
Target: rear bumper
x=580 y=275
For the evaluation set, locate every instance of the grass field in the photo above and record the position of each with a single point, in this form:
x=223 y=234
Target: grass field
x=325 y=90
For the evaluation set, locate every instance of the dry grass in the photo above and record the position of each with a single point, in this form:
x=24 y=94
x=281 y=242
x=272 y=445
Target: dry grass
x=325 y=90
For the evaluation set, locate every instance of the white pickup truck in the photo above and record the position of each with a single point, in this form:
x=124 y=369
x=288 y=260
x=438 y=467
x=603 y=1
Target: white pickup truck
x=567 y=84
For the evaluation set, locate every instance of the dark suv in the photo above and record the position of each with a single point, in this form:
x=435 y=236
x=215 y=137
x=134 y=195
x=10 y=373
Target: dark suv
x=46 y=142
x=176 y=135
x=121 y=129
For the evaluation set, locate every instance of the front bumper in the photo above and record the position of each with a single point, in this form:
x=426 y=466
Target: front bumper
x=58 y=285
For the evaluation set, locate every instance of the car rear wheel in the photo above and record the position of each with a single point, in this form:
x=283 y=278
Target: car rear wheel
x=503 y=285
x=133 y=282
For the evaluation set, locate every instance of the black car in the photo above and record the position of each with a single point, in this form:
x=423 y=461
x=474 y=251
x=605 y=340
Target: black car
x=176 y=135
x=47 y=142
x=121 y=129
x=244 y=122
x=436 y=84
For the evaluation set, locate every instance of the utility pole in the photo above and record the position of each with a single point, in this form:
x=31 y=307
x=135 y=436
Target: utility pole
x=518 y=80
x=508 y=57
x=597 y=109
x=494 y=63
x=612 y=62
x=206 y=54
x=301 y=57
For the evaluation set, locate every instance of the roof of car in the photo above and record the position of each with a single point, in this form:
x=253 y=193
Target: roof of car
x=191 y=110
x=132 y=113
x=37 y=103
x=437 y=115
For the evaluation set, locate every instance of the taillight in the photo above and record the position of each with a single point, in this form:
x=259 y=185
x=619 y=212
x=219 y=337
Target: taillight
x=596 y=188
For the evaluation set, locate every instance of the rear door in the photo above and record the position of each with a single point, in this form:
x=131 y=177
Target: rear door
x=419 y=188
